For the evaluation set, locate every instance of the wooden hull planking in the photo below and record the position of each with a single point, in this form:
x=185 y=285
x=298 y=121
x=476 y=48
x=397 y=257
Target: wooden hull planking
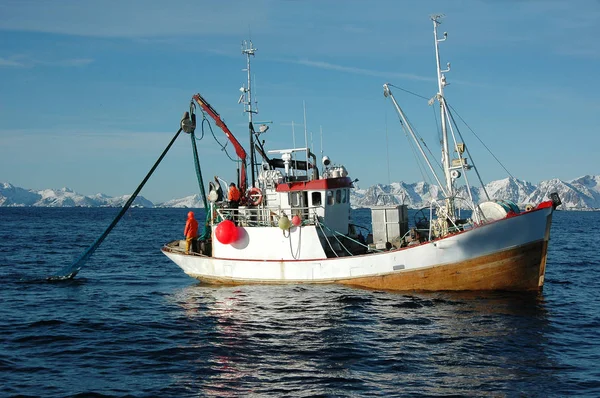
x=518 y=269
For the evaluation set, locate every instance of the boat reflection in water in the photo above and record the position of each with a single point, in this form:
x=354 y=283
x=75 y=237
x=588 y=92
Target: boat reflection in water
x=328 y=339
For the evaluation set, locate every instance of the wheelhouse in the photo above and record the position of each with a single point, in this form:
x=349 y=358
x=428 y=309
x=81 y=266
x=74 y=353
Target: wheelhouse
x=294 y=189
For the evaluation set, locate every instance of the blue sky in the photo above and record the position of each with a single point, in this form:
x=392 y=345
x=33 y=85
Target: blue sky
x=91 y=92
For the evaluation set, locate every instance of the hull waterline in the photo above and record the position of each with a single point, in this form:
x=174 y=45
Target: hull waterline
x=485 y=258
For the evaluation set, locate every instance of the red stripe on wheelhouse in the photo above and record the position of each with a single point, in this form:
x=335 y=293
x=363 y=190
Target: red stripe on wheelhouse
x=315 y=185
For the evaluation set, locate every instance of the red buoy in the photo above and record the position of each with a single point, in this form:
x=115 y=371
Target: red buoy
x=296 y=221
x=226 y=232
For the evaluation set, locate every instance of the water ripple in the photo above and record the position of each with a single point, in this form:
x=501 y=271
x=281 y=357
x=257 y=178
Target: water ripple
x=133 y=325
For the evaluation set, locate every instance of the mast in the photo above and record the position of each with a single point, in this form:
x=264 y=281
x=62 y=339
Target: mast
x=321 y=129
x=444 y=121
x=249 y=50
x=305 y=136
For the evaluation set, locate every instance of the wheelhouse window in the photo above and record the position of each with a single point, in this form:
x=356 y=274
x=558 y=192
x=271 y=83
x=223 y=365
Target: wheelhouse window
x=295 y=199
x=316 y=198
x=338 y=196
x=344 y=195
x=330 y=198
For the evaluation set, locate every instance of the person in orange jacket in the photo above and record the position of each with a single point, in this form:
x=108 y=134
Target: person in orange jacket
x=191 y=232
x=233 y=196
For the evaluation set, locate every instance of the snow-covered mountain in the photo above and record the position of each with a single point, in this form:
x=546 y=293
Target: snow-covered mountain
x=11 y=196
x=582 y=193
x=15 y=196
x=190 y=202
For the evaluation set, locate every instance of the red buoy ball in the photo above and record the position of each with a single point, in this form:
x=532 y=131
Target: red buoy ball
x=226 y=232
x=296 y=221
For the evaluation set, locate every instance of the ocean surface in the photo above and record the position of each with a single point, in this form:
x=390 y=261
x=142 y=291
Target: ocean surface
x=133 y=324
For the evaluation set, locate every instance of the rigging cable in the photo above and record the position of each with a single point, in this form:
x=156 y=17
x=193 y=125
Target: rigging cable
x=418 y=159
x=452 y=126
x=338 y=240
x=468 y=153
x=318 y=223
x=482 y=143
x=354 y=240
x=223 y=147
x=69 y=272
x=414 y=151
x=460 y=117
x=387 y=148
x=437 y=125
x=197 y=162
x=296 y=255
x=436 y=122
x=410 y=92
x=458 y=130
x=425 y=145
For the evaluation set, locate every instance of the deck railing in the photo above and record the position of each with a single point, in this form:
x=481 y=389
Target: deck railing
x=262 y=216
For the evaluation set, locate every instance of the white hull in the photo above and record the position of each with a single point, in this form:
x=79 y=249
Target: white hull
x=498 y=255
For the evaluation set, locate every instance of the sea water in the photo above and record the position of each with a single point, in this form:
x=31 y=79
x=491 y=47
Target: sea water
x=133 y=324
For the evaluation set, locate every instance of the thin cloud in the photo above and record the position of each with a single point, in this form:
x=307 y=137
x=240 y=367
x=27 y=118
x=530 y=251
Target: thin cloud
x=75 y=62
x=11 y=62
x=583 y=52
x=21 y=61
x=136 y=18
x=359 y=71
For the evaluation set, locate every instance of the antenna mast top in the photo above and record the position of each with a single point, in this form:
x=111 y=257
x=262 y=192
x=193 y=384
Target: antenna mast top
x=441 y=73
x=444 y=120
x=248 y=50
x=246 y=97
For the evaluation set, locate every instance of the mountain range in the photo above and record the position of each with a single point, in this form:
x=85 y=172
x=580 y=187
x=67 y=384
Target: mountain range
x=582 y=193
x=11 y=196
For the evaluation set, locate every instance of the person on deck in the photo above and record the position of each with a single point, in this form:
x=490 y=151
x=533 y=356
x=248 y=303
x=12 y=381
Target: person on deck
x=233 y=196
x=191 y=233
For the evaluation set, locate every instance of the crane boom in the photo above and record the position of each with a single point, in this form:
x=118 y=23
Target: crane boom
x=239 y=150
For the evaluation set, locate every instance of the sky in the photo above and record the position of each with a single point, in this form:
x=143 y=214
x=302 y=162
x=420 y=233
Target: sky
x=91 y=92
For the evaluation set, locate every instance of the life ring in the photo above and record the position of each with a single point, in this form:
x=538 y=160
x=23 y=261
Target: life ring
x=255 y=196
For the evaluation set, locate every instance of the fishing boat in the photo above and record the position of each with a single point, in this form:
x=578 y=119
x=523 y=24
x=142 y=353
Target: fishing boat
x=293 y=224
